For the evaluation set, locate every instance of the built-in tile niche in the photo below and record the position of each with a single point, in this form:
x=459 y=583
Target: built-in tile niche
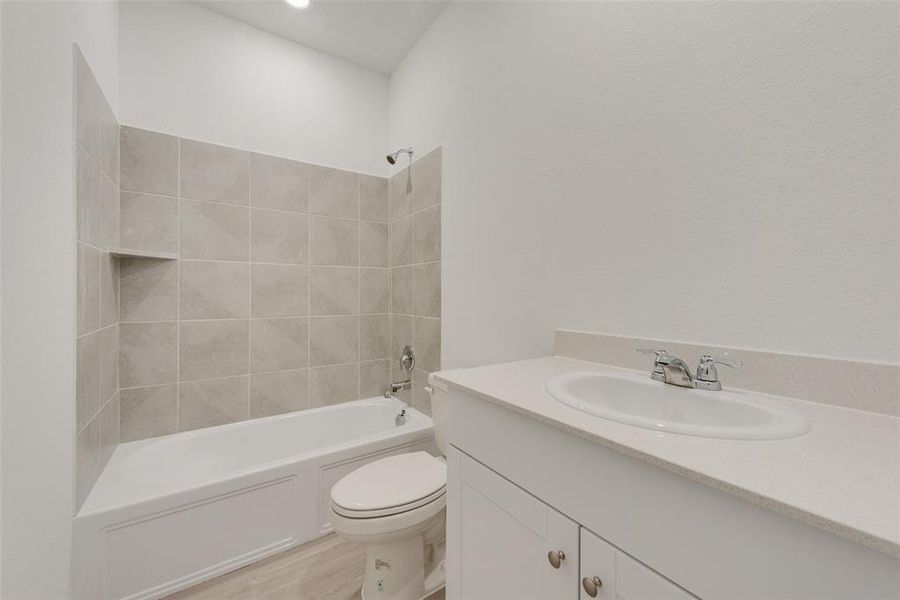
x=96 y=156
x=280 y=297
x=415 y=212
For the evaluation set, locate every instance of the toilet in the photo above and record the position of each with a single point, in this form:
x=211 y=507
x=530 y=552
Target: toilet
x=395 y=507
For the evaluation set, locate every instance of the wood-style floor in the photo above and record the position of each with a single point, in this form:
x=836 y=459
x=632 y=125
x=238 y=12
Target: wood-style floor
x=325 y=569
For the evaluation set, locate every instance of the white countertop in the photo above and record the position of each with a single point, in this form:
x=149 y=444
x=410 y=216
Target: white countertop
x=843 y=476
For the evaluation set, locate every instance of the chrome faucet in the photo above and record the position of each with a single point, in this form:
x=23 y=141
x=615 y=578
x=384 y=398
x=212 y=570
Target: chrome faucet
x=408 y=362
x=670 y=369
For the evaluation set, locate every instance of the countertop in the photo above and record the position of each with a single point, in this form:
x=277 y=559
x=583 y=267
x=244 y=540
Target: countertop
x=843 y=476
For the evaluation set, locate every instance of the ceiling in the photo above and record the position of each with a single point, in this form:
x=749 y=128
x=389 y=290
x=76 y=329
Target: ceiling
x=373 y=33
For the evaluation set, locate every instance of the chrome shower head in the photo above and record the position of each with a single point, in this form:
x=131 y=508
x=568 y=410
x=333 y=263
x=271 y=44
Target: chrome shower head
x=392 y=157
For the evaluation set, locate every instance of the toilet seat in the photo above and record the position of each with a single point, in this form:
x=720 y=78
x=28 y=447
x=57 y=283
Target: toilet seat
x=390 y=486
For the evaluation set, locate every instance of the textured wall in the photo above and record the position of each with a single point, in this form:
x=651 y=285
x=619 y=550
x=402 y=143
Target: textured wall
x=720 y=173
x=195 y=73
x=278 y=301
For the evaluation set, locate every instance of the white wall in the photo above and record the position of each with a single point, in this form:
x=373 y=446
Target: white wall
x=197 y=74
x=713 y=173
x=38 y=280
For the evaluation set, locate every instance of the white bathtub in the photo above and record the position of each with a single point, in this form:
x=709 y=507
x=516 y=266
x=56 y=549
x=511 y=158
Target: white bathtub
x=169 y=512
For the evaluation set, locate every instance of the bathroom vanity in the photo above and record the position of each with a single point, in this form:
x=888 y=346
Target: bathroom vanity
x=545 y=501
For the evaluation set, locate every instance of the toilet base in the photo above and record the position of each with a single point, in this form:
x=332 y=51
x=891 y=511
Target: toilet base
x=395 y=570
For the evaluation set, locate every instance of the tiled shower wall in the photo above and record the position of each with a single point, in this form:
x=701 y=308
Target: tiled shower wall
x=97 y=209
x=279 y=298
x=416 y=272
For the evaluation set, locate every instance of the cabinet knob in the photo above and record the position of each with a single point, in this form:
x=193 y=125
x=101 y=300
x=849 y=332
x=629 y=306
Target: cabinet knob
x=556 y=557
x=591 y=586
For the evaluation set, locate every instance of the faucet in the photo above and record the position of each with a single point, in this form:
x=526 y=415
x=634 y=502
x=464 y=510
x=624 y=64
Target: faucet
x=670 y=369
x=408 y=362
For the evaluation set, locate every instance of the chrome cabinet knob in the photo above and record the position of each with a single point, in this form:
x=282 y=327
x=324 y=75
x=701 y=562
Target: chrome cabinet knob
x=556 y=557
x=591 y=586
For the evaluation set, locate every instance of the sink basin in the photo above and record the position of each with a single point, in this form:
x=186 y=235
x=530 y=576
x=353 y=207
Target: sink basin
x=638 y=400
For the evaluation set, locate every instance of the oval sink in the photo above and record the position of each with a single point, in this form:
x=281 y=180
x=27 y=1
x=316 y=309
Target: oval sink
x=638 y=400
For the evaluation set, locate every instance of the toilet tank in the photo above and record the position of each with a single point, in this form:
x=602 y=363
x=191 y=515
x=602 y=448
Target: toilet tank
x=439 y=397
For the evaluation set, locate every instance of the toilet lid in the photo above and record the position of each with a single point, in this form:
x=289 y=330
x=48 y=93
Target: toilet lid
x=390 y=482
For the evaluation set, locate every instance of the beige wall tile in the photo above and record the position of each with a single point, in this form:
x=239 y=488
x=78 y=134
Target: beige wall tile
x=87 y=460
x=109 y=362
x=278 y=344
x=213 y=402
x=209 y=349
x=277 y=393
x=149 y=162
x=373 y=199
x=374 y=247
x=87 y=198
x=402 y=242
x=148 y=290
x=96 y=128
x=374 y=290
x=333 y=340
x=333 y=241
x=426 y=180
x=401 y=197
x=88 y=308
x=374 y=337
x=278 y=183
x=211 y=231
x=214 y=290
x=109 y=212
x=87 y=377
x=279 y=237
x=334 y=384
x=148 y=222
x=402 y=290
x=279 y=290
x=374 y=378
x=147 y=412
x=401 y=334
x=333 y=192
x=109 y=289
x=109 y=428
x=427 y=343
x=428 y=235
x=214 y=173
x=148 y=353
x=333 y=290
x=427 y=289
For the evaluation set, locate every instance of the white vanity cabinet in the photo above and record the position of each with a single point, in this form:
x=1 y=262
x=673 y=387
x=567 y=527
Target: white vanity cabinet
x=520 y=488
x=506 y=540
x=508 y=544
x=610 y=574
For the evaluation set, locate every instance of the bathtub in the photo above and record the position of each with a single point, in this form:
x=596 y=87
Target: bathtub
x=169 y=512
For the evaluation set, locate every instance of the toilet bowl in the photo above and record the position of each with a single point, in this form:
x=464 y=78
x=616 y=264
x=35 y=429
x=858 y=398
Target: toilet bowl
x=395 y=507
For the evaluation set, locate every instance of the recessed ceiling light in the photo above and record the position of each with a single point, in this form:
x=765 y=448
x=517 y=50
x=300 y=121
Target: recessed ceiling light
x=298 y=3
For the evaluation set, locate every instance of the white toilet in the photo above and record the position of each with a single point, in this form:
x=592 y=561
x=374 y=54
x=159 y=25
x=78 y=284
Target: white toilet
x=395 y=506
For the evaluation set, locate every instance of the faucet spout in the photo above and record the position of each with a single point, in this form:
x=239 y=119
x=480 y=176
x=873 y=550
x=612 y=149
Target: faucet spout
x=677 y=371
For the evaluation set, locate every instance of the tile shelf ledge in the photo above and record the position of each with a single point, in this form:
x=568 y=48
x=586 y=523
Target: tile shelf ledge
x=135 y=253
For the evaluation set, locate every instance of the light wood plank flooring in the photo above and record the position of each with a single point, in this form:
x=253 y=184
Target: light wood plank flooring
x=325 y=569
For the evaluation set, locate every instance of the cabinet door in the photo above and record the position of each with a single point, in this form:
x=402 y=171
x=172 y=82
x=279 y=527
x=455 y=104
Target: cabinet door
x=503 y=538
x=620 y=577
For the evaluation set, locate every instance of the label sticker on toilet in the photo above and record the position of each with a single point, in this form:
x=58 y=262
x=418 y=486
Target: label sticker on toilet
x=380 y=564
x=379 y=585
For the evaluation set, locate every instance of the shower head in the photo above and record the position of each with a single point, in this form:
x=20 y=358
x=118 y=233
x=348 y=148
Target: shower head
x=392 y=157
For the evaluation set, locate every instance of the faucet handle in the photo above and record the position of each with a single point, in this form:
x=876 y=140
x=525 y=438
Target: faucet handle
x=707 y=375
x=709 y=359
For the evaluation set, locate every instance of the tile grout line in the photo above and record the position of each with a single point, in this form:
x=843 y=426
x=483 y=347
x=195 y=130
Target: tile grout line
x=178 y=305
